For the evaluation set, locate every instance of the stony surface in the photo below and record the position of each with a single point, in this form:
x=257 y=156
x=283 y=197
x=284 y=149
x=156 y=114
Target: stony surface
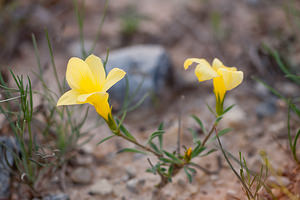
x=102 y=187
x=135 y=185
x=10 y=146
x=148 y=68
x=82 y=175
x=57 y=197
x=230 y=30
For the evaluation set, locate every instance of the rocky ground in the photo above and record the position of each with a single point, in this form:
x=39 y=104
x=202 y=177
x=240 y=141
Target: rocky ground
x=168 y=32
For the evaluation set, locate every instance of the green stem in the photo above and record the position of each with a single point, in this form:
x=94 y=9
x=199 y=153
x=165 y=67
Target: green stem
x=232 y=168
x=116 y=130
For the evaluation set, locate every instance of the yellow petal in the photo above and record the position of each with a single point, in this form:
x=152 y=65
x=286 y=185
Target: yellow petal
x=204 y=71
x=83 y=97
x=80 y=77
x=231 y=78
x=100 y=101
x=97 y=69
x=190 y=61
x=113 y=77
x=68 y=98
x=216 y=64
x=219 y=88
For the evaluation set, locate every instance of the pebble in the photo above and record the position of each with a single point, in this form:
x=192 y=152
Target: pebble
x=131 y=172
x=82 y=175
x=83 y=160
x=266 y=108
x=261 y=91
x=135 y=185
x=102 y=187
x=231 y=194
x=57 y=197
x=148 y=65
x=4 y=174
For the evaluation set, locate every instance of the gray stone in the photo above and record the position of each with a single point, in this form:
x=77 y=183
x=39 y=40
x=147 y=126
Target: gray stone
x=135 y=185
x=147 y=67
x=57 y=197
x=7 y=146
x=261 y=91
x=102 y=187
x=82 y=175
x=266 y=108
x=131 y=172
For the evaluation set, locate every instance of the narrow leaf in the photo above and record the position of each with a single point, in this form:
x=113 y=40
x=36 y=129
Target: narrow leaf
x=155 y=134
x=189 y=176
x=105 y=139
x=154 y=147
x=126 y=132
x=220 y=133
x=228 y=109
x=132 y=150
x=173 y=157
x=199 y=122
x=160 y=137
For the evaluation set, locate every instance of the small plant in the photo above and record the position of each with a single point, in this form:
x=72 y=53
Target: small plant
x=291 y=102
x=89 y=84
x=130 y=21
x=32 y=157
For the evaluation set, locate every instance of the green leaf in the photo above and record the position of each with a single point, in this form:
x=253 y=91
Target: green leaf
x=293 y=76
x=105 y=139
x=228 y=109
x=189 y=176
x=275 y=92
x=192 y=170
x=219 y=118
x=197 y=150
x=280 y=63
x=126 y=132
x=160 y=137
x=170 y=171
x=209 y=152
x=155 y=134
x=220 y=133
x=173 y=157
x=132 y=150
x=154 y=147
x=295 y=146
x=199 y=122
x=194 y=134
x=211 y=110
x=166 y=160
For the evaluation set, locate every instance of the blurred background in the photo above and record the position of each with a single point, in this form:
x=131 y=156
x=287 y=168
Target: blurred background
x=151 y=40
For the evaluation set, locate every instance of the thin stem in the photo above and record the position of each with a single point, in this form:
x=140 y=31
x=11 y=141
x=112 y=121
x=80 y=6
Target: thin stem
x=179 y=133
x=53 y=62
x=232 y=168
x=210 y=133
x=100 y=27
x=138 y=144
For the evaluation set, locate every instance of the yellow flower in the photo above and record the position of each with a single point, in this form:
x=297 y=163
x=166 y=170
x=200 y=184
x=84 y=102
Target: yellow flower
x=188 y=154
x=224 y=78
x=89 y=83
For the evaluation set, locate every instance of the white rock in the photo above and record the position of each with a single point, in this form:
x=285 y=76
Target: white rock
x=102 y=187
x=82 y=175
